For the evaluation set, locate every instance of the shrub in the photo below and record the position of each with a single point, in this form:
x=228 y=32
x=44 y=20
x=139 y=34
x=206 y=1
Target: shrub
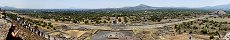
x=204 y=31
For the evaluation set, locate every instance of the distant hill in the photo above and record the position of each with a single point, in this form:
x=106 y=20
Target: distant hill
x=8 y=7
x=219 y=7
x=140 y=7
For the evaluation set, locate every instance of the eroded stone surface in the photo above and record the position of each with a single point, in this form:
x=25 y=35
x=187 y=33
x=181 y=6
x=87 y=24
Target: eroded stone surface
x=4 y=27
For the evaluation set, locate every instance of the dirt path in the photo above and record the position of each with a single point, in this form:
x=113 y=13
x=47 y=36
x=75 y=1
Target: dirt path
x=166 y=24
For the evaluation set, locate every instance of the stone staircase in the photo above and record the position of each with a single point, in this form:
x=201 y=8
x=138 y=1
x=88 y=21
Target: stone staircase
x=27 y=34
x=24 y=33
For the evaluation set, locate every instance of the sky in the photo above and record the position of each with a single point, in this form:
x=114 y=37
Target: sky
x=95 y=4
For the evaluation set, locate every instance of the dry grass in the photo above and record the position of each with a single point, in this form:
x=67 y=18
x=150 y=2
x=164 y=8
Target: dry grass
x=55 y=23
x=220 y=19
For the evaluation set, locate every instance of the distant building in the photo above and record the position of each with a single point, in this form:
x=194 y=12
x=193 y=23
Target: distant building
x=224 y=35
x=220 y=12
x=119 y=36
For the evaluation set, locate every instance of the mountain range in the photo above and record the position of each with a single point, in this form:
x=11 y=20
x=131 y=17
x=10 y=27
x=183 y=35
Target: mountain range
x=7 y=7
x=146 y=7
x=220 y=7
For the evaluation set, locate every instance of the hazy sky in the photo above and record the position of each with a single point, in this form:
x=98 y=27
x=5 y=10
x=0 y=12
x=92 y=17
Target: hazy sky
x=92 y=4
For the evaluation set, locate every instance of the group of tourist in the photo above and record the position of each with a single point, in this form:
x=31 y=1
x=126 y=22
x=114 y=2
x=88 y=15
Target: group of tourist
x=12 y=34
